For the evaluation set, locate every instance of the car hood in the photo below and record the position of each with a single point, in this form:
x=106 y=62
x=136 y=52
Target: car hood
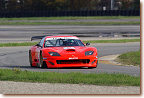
x=69 y=51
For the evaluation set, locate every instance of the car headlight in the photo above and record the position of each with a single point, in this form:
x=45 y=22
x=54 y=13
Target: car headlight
x=89 y=53
x=54 y=54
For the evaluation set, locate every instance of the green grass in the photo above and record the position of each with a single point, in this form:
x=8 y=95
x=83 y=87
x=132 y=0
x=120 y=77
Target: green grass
x=17 y=44
x=90 y=41
x=8 y=21
x=130 y=58
x=71 y=23
x=71 y=78
x=113 y=41
x=73 y=18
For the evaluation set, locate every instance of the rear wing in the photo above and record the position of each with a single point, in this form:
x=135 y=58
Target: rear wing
x=37 y=37
x=40 y=37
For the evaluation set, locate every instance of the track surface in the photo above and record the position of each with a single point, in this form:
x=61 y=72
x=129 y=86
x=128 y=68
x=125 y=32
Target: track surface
x=25 y=32
x=28 y=31
x=75 y=20
x=17 y=57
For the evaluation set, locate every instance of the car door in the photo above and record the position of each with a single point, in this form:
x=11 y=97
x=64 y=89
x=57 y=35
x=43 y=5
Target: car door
x=38 y=49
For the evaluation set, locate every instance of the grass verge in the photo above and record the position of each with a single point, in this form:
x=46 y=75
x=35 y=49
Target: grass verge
x=18 y=44
x=90 y=41
x=71 y=78
x=113 y=41
x=71 y=23
x=130 y=58
x=72 y=18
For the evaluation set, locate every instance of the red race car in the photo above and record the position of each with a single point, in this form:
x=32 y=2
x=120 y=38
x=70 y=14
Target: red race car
x=62 y=51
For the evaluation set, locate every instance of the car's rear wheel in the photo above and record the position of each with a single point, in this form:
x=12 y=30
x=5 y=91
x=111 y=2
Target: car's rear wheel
x=30 y=58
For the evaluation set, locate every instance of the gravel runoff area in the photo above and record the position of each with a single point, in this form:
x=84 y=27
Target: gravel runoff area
x=7 y=87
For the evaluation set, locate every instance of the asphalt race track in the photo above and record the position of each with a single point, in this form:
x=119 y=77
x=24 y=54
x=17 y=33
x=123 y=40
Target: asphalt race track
x=17 y=57
x=78 y=20
x=26 y=32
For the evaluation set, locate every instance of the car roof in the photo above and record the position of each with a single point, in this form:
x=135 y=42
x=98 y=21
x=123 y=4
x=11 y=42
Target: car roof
x=60 y=36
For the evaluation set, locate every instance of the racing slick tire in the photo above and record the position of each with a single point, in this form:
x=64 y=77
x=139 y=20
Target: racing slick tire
x=30 y=58
x=42 y=63
x=93 y=67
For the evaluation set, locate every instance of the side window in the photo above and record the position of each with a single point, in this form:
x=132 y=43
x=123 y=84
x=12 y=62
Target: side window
x=61 y=42
x=42 y=42
x=57 y=43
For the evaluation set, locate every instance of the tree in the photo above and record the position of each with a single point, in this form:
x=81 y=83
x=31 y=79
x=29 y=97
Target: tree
x=2 y=5
x=105 y=3
x=12 y=5
x=136 y=5
x=82 y=4
x=61 y=4
x=95 y=5
x=56 y=5
x=126 y=4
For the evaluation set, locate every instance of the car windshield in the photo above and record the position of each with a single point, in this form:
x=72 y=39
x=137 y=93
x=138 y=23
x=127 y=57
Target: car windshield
x=63 y=42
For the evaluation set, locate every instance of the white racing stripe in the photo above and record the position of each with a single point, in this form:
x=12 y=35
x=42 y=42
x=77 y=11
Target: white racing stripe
x=73 y=58
x=69 y=48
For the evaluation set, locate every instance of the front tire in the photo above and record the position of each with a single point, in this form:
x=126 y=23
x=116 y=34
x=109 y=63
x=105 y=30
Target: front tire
x=30 y=58
x=91 y=67
x=42 y=63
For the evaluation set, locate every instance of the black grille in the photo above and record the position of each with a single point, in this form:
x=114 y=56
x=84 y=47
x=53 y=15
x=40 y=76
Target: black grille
x=80 y=61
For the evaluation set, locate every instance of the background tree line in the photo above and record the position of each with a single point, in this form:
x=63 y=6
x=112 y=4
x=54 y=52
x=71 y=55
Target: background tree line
x=56 y=5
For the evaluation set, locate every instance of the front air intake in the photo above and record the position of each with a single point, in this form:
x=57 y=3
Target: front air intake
x=80 y=61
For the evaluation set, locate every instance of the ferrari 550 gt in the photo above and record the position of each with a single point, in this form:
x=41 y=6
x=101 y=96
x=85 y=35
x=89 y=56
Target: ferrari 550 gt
x=62 y=51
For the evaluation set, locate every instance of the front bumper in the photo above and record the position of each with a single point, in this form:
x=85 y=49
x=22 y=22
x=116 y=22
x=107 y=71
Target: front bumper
x=58 y=62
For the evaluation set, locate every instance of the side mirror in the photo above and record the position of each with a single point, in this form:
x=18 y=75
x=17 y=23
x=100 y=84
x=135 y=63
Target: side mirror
x=38 y=45
x=87 y=44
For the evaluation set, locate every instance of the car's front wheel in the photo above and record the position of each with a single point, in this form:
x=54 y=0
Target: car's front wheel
x=42 y=63
x=30 y=58
x=93 y=67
